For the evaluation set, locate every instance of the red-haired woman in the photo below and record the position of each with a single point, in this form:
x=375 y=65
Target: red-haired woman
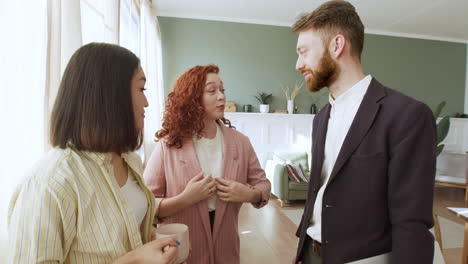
x=202 y=169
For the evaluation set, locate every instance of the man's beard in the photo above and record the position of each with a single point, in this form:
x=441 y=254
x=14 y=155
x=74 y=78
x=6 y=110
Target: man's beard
x=324 y=76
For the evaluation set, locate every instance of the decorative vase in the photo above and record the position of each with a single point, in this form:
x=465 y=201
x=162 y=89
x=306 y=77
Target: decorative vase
x=290 y=106
x=264 y=108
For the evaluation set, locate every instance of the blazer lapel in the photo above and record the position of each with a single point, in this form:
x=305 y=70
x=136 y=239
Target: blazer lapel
x=188 y=156
x=318 y=151
x=362 y=123
x=318 y=148
x=229 y=171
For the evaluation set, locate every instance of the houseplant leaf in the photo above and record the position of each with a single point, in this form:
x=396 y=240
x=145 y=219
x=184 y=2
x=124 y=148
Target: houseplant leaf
x=267 y=98
x=259 y=99
x=442 y=129
x=439 y=109
x=439 y=149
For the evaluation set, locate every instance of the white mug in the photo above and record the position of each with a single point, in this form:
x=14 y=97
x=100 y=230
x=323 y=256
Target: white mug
x=179 y=232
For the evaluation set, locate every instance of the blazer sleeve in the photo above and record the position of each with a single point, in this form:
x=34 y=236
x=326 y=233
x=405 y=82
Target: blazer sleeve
x=155 y=177
x=256 y=177
x=411 y=174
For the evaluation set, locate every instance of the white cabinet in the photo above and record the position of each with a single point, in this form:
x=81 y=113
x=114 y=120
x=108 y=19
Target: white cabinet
x=284 y=132
x=274 y=132
x=457 y=138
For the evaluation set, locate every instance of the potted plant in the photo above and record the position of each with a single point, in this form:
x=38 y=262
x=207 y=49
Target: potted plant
x=442 y=127
x=264 y=99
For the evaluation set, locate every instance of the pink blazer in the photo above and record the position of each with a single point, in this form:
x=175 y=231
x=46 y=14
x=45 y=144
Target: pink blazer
x=168 y=172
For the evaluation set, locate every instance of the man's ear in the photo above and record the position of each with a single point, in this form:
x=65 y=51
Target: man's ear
x=337 y=46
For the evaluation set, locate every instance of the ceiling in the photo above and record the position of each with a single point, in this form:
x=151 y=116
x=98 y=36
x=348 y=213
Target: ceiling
x=427 y=19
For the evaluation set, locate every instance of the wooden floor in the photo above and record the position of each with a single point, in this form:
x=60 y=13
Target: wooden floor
x=268 y=236
x=449 y=197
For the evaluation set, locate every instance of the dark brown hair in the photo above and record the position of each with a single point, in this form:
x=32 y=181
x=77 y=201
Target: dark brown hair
x=93 y=110
x=332 y=18
x=184 y=113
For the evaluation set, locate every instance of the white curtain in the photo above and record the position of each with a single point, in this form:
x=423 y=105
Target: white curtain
x=64 y=38
x=100 y=20
x=22 y=75
x=42 y=35
x=129 y=26
x=151 y=62
x=111 y=20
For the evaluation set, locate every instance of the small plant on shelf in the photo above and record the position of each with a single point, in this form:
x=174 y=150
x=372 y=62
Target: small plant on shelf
x=264 y=100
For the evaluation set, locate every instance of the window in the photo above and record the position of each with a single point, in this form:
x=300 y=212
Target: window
x=129 y=26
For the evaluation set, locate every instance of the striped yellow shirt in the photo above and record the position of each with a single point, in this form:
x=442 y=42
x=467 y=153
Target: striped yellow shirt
x=70 y=209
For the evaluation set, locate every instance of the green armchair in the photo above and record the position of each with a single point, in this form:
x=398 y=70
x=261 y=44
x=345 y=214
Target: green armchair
x=281 y=186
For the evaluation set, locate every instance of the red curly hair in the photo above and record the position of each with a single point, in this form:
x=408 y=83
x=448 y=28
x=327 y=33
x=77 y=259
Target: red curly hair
x=184 y=112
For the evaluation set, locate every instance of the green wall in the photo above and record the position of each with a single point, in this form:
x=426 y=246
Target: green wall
x=428 y=70
x=258 y=58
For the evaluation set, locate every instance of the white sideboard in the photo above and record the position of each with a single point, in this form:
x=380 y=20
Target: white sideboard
x=283 y=132
x=457 y=138
x=274 y=132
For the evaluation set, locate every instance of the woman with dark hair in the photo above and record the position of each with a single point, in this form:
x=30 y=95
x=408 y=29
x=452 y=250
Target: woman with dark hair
x=202 y=170
x=85 y=201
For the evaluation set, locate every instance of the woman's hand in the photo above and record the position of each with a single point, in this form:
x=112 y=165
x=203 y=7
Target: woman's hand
x=233 y=191
x=161 y=251
x=199 y=188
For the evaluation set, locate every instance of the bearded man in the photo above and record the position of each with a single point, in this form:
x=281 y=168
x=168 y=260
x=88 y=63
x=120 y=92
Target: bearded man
x=371 y=184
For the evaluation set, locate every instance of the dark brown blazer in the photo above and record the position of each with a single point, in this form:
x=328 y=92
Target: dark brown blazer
x=380 y=192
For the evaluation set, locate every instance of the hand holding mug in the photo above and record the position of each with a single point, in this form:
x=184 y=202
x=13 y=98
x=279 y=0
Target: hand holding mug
x=160 y=251
x=180 y=233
